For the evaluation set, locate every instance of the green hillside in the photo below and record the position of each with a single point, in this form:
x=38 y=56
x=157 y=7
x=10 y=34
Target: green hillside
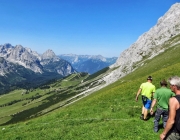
x=21 y=104
x=110 y=113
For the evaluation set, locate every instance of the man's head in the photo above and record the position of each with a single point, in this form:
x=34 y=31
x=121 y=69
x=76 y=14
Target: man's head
x=174 y=82
x=149 y=78
x=163 y=83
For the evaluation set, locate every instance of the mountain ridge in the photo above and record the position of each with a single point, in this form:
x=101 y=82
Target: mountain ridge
x=20 y=65
x=148 y=45
x=107 y=113
x=28 y=58
x=88 y=63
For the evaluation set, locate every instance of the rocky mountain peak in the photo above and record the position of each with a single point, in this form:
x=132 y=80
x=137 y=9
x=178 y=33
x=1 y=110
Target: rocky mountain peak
x=22 y=56
x=98 y=57
x=49 y=54
x=47 y=62
x=7 y=45
x=148 y=44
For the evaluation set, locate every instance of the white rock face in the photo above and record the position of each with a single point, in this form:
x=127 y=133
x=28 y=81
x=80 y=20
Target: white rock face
x=48 y=57
x=21 y=56
x=48 y=54
x=29 y=59
x=149 y=44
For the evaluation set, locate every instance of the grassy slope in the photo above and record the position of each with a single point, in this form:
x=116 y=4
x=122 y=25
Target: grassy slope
x=16 y=106
x=110 y=113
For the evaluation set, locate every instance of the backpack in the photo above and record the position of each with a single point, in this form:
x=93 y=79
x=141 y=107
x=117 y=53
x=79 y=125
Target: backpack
x=177 y=121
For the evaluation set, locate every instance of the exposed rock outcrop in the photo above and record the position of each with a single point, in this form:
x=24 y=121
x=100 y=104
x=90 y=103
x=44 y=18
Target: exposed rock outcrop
x=148 y=45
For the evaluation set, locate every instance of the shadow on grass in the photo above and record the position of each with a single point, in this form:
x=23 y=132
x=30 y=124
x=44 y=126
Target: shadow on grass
x=34 y=112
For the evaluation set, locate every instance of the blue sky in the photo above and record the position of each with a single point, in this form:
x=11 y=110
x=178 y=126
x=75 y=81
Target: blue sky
x=82 y=27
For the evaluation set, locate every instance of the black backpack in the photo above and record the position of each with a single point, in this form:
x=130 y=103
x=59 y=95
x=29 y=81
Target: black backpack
x=177 y=121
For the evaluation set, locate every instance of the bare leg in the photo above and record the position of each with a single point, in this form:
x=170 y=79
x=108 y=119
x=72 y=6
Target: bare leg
x=143 y=109
x=145 y=113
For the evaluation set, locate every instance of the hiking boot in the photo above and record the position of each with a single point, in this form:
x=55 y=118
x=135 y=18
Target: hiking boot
x=142 y=117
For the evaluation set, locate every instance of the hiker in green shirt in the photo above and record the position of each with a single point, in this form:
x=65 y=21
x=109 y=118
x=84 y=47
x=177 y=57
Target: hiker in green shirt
x=161 y=97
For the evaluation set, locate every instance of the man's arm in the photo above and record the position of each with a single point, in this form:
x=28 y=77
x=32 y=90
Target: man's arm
x=137 y=95
x=173 y=106
x=152 y=105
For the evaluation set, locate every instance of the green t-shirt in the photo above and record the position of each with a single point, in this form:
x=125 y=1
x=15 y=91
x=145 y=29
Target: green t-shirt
x=147 y=89
x=162 y=96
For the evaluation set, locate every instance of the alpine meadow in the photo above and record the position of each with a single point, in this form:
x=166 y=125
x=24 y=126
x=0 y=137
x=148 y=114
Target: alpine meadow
x=100 y=106
x=109 y=113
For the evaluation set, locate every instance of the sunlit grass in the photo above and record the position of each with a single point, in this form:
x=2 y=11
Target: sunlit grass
x=110 y=113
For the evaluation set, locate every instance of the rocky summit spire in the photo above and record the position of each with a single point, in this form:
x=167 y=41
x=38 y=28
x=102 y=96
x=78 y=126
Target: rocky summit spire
x=48 y=54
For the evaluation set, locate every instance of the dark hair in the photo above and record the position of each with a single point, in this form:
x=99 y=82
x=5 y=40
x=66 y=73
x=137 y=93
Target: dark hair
x=149 y=78
x=163 y=83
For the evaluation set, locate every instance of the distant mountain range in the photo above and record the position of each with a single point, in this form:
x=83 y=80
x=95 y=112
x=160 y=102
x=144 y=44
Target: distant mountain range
x=155 y=53
x=88 y=63
x=21 y=67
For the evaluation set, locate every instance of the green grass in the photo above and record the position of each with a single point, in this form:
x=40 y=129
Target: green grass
x=20 y=105
x=108 y=114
